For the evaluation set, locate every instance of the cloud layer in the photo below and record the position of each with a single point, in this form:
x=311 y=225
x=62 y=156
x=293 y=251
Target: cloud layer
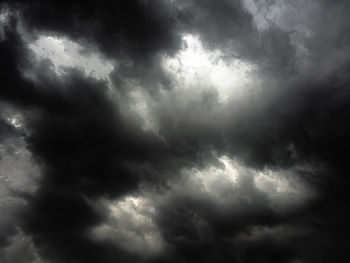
x=174 y=131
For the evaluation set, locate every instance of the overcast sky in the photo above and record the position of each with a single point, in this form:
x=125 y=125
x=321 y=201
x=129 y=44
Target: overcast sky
x=174 y=131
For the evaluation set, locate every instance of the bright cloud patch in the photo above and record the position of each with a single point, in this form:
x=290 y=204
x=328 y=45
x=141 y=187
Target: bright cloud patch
x=4 y=17
x=226 y=186
x=140 y=103
x=131 y=226
x=195 y=67
x=64 y=53
x=213 y=179
x=18 y=172
x=233 y=183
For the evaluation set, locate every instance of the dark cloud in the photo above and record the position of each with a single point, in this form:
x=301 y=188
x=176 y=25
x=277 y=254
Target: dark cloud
x=139 y=27
x=146 y=165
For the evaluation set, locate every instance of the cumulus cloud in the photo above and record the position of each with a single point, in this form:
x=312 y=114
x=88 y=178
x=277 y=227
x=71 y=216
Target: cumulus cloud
x=64 y=53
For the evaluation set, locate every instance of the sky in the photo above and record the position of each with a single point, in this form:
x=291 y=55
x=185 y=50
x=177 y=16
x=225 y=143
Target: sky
x=174 y=131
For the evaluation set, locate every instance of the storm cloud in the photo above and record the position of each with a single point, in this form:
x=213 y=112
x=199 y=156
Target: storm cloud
x=174 y=131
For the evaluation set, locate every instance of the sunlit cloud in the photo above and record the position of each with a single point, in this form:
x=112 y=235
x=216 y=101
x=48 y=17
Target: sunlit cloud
x=231 y=182
x=18 y=172
x=65 y=54
x=194 y=67
x=131 y=226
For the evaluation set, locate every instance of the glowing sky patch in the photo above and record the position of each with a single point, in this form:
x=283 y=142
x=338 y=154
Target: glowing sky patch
x=195 y=67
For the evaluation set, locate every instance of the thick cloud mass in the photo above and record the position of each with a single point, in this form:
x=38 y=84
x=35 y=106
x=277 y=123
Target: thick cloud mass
x=174 y=131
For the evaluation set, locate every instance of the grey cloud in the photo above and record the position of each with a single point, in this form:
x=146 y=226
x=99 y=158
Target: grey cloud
x=151 y=128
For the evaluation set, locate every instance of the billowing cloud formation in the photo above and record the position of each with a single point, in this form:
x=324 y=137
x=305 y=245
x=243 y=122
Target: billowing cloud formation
x=64 y=53
x=174 y=131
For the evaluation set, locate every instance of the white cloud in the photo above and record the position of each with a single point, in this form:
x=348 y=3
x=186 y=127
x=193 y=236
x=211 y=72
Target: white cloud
x=232 y=184
x=196 y=74
x=64 y=53
x=195 y=67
